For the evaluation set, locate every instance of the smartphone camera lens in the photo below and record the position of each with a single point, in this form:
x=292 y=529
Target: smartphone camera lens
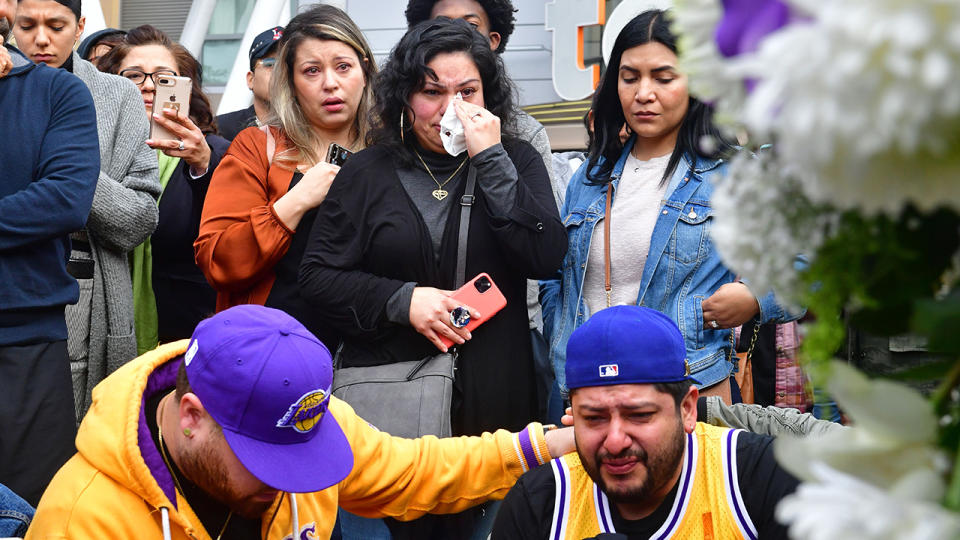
x=482 y=285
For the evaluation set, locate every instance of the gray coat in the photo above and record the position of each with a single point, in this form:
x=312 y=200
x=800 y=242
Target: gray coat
x=124 y=214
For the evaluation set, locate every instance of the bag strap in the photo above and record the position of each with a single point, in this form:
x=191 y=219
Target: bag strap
x=271 y=144
x=466 y=202
x=607 y=287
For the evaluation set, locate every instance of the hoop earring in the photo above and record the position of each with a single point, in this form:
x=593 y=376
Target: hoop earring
x=401 y=127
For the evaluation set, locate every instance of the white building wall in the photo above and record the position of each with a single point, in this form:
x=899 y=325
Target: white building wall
x=527 y=57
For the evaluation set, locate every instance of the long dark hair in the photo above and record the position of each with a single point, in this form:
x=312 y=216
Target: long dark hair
x=406 y=72
x=650 y=26
x=200 y=110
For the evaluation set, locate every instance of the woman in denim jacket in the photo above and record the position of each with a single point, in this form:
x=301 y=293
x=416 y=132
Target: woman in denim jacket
x=660 y=182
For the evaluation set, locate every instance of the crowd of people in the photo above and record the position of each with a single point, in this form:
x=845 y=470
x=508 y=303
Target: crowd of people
x=187 y=298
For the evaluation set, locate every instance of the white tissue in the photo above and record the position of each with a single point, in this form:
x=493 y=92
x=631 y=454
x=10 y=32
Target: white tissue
x=451 y=130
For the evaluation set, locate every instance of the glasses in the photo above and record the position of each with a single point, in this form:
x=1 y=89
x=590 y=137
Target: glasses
x=268 y=62
x=139 y=77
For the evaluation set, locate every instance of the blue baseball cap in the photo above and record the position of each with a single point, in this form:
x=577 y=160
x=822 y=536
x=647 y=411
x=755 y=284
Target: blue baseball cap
x=266 y=380
x=263 y=43
x=626 y=345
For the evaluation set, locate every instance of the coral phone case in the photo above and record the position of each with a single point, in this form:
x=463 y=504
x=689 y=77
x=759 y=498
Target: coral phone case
x=482 y=294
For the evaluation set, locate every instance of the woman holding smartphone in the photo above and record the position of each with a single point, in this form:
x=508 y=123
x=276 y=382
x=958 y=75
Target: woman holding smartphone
x=170 y=294
x=381 y=258
x=264 y=196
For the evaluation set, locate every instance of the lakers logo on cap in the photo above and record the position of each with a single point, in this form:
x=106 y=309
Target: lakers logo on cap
x=306 y=412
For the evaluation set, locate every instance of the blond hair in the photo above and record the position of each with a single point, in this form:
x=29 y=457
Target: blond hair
x=323 y=22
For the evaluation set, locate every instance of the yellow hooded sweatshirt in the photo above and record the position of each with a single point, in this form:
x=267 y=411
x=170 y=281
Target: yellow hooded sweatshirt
x=110 y=489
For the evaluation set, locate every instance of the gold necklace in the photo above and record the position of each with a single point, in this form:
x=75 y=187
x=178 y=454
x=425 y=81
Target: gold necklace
x=439 y=193
x=163 y=454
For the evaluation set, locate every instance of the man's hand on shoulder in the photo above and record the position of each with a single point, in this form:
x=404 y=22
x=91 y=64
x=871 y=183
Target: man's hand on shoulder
x=560 y=441
x=6 y=63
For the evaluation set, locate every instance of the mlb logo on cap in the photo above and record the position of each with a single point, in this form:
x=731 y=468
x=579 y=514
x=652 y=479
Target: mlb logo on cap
x=626 y=345
x=609 y=370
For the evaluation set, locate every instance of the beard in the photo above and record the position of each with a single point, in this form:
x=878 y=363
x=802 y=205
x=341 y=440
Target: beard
x=4 y=30
x=658 y=469
x=209 y=474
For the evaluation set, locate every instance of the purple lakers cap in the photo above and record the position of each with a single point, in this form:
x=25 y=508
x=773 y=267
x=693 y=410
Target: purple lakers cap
x=266 y=380
x=626 y=345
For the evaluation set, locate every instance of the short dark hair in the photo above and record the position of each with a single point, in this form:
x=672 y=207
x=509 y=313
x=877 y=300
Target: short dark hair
x=648 y=27
x=72 y=5
x=183 y=383
x=500 y=13
x=676 y=389
x=406 y=71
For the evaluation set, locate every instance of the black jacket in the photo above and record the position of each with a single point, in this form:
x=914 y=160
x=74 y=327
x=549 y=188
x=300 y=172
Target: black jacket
x=234 y=122
x=184 y=298
x=369 y=239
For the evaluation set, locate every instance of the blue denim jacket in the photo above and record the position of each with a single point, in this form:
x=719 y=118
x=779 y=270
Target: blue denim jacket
x=682 y=268
x=15 y=514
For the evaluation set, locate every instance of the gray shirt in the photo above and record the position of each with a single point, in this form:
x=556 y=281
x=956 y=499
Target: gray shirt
x=497 y=178
x=637 y=201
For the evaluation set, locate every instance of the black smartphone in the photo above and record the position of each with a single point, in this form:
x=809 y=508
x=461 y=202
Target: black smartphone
x=337 y=154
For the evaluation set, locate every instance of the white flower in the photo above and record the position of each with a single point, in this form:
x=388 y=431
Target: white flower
x=839 y=507
x=893 y=443
x=854 y=478
x=763 y=221
x=710 y=76
x=864 y=101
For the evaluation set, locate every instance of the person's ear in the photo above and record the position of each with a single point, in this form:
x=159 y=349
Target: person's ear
x=688 y=409
x=192 y=413
x=494 y=40
x=250 y=80
x=81 y=23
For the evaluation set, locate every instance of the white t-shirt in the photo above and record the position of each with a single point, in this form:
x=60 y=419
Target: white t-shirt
x=637 y=201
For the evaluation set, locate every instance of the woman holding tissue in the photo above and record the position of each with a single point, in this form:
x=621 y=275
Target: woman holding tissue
x=264 y=196
x=380 y=261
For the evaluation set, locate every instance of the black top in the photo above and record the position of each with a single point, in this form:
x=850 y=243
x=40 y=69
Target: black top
x=369 y=239
x=212 y=513
x=232 y=123
x=527 y=511
x=184 y=298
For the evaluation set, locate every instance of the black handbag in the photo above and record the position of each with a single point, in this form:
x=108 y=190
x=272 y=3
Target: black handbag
x=409 y=399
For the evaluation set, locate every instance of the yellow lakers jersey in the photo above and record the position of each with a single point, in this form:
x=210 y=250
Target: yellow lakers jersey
x=708 y=504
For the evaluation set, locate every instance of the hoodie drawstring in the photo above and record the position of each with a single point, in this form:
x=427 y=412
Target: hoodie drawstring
x=296 y=517
x=165 y=522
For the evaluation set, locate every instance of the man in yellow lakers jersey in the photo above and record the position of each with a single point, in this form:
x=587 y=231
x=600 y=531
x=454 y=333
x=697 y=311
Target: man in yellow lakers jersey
x=644 y=467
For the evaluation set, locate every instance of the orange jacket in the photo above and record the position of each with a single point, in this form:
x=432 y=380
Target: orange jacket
x=241 y=238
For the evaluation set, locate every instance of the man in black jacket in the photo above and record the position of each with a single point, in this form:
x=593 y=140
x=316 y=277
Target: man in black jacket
x=263 y=54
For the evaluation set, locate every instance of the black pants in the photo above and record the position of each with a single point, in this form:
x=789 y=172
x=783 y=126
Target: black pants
x=37 y=419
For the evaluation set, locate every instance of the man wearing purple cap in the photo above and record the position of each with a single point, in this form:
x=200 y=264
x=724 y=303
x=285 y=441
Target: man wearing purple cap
x=234 y=434
x=644 y=466
x=263 y=55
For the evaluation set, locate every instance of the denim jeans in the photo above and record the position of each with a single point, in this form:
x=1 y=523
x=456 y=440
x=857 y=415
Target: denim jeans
x=15 y=514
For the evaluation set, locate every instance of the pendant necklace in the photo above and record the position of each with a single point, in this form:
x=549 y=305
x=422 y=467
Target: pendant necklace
x=163 y=454
x=439 y=193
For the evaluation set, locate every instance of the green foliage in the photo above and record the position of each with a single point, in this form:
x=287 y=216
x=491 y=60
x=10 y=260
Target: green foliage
x=881 y=271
